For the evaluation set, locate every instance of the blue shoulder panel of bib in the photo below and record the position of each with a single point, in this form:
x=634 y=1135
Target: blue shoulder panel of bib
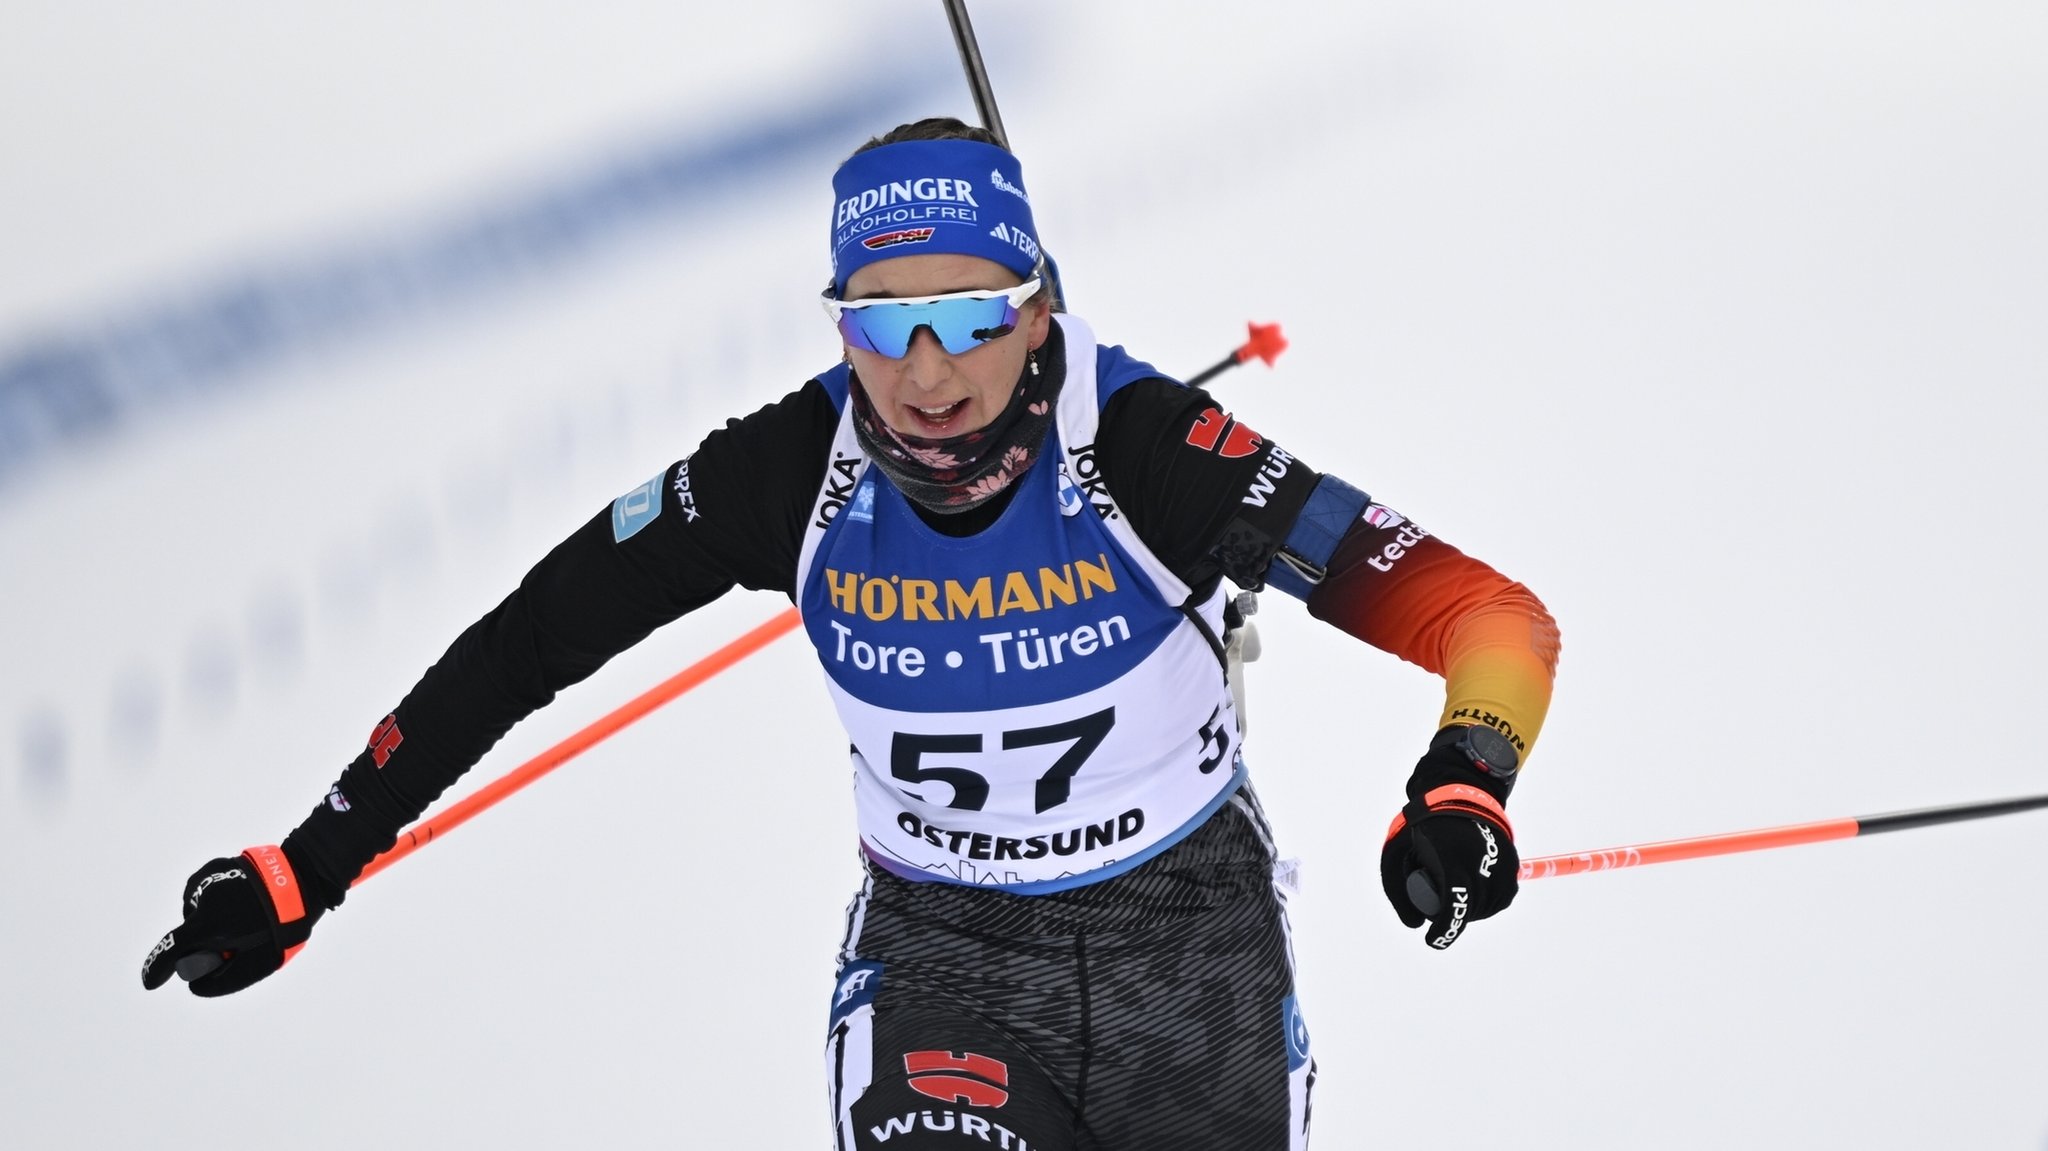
x=836 y=383
x=1115 y=368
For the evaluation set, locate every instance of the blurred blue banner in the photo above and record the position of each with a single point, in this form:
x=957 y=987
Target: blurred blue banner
x=71 y=386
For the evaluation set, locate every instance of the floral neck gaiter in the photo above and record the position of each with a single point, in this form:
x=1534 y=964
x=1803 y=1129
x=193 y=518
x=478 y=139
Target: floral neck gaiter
x=960 y=472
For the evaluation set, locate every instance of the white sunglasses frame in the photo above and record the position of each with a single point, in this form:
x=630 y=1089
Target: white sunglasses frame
x=1017 y=295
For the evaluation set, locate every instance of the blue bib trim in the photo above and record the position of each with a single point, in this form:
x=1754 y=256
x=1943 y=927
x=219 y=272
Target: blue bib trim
x=1114 y=368
x=837 y=381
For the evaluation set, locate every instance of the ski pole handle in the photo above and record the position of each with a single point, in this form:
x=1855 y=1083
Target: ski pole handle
x=1423 y=894
x=1266 y=343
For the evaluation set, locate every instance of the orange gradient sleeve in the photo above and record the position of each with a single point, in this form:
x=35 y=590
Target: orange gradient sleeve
x=1404 y=591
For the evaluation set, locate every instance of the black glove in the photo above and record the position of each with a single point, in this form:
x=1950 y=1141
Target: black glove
x=245 y=917
x=1450 y=854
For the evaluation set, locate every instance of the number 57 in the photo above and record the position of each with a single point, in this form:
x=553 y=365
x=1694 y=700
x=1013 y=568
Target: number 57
x=970 y=789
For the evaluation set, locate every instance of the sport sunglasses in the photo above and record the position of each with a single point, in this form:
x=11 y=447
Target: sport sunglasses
x=959 y=320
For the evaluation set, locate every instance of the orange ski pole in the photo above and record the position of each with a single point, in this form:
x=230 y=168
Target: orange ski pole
x=456 y=814
x=459 y=812
x=1764 y=839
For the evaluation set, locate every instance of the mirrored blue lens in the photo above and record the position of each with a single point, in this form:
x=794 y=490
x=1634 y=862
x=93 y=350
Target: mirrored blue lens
x=959 y=325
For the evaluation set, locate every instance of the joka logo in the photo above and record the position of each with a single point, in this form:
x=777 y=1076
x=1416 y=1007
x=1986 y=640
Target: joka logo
x=839 y=481
x=1216 y=427
x=891 y=239
x=1088 y=474
x=975 y=1080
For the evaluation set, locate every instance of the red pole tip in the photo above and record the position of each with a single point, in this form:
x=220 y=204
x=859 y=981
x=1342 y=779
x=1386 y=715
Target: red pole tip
x=1266 y=343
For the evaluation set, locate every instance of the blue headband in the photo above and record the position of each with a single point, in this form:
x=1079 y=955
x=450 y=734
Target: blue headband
x=957 y=196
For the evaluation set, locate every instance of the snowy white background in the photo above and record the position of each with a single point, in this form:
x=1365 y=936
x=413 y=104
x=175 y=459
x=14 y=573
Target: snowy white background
x=1723 y=326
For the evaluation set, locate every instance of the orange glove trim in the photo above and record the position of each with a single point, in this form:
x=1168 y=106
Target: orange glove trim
x=278 y=880
x=1457 y=797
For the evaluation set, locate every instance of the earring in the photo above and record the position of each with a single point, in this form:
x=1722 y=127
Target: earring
x=1031 y=357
